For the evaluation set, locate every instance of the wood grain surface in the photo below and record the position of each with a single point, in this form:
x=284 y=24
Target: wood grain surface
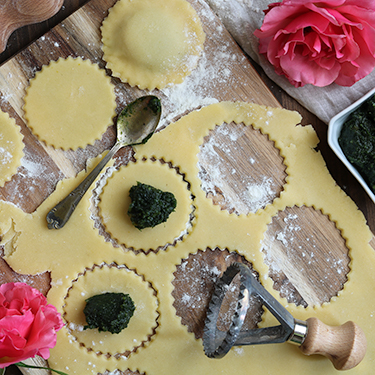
x=79 y=35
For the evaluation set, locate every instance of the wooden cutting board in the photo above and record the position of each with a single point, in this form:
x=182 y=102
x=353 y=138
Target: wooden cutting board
x=224 y=73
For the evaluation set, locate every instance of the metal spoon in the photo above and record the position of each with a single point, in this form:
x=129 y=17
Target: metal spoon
x=135 y=125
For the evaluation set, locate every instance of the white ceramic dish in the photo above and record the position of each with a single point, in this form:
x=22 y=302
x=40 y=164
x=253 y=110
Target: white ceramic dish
x=334 y=129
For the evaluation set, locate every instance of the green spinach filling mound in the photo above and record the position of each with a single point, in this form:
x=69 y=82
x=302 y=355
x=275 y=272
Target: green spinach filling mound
x=357 y=140
x=109 y=312
x=149 y=206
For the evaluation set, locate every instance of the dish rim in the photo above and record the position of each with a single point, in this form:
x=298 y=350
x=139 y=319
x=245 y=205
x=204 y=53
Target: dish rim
x=334 y=129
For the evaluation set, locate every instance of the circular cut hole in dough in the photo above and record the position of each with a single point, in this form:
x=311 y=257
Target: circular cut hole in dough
x=114 y=204
x=11 y=147
x=152 y=43
x=194 y=281
x=307 y=256
x=114 y=279
x=256 y=169
x=70 y=103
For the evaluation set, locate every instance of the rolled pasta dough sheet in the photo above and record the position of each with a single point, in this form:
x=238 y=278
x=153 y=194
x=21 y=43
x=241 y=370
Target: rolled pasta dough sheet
x=172 y=349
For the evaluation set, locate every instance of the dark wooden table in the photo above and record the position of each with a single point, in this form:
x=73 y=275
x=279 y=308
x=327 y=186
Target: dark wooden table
x=26 y=35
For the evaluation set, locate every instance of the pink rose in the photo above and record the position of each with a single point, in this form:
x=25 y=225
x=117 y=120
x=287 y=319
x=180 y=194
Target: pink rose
x=320 y=42
x=28 y=325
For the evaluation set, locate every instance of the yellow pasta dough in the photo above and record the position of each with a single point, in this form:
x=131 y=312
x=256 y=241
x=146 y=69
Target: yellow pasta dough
x=70 y=103
x=152 y=43
x=73 y=251
x=11 y=147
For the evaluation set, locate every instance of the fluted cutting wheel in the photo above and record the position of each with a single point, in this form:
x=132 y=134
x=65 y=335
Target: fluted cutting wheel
x=217 y=343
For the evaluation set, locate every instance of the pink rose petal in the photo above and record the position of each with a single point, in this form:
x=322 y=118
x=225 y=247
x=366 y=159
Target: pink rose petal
x=319 y=42
x=28 y=324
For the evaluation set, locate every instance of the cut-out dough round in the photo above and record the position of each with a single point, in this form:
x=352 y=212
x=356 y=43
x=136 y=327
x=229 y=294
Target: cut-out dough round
x=152 y=43
x=114 y=280
x=70 y=103
x=115 y=201
x=11 y=147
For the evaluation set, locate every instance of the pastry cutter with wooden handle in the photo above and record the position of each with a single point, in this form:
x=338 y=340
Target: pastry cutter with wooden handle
x=344 y=345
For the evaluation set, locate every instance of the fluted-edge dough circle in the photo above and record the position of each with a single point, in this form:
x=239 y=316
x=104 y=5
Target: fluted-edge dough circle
x=114 y=204
x=111 y=279
x=70 y=103
x=11 y=147
x=152 y=43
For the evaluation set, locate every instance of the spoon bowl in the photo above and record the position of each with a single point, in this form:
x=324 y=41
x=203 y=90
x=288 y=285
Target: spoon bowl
x=135 y=125
x=138 y=120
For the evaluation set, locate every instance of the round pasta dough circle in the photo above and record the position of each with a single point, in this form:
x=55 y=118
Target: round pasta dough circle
x=152 y=43
x=114 y=204
x=70 y=103
x=114 y=280
x=11 y=147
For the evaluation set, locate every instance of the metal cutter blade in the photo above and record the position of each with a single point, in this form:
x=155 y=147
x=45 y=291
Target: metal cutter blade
x=217 y=343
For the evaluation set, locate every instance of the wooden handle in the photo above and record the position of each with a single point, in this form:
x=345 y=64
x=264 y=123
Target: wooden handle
x=344 y=345
x=14 y=14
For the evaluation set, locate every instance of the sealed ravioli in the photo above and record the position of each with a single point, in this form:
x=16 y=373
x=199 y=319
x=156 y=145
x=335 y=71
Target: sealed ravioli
x=70 y=103
x=152 y=43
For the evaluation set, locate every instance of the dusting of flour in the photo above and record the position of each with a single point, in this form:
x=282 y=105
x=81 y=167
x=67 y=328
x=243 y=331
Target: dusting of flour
x=243 y=192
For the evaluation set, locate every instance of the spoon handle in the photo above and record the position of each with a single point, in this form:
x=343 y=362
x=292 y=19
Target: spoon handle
x=60 y=214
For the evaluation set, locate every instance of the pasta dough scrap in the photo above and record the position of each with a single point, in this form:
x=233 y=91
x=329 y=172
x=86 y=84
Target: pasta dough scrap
x=78 y=246
x=70 y=103
x=152 y=43
x=11 y=147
